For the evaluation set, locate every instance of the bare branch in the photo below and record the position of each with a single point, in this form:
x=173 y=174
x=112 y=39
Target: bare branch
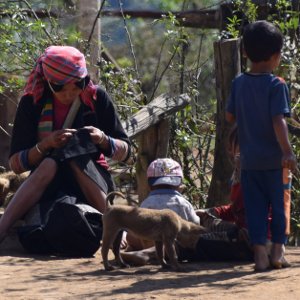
x=94 y=25
x=129 y=39
x=164 y=71
x=37 y=18
x=157 y=65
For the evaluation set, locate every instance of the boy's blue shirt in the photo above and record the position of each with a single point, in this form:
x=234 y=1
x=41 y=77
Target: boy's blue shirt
x=254 y=101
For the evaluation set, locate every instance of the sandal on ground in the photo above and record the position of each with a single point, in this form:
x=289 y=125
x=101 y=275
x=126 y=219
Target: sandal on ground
x=277 y=259
x=281 y=263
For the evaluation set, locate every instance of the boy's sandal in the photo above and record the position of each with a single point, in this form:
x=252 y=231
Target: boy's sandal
x=285 y=263
x=282 y=263
x=276 y=264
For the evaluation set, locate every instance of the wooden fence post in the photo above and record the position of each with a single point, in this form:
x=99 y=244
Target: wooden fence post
x=227 y=66
x=152 y=144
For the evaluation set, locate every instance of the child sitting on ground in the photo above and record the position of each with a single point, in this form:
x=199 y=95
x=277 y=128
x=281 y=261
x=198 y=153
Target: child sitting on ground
x=164 y=178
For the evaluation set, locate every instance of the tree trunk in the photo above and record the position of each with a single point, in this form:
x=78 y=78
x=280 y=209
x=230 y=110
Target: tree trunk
x=87 y=12
x=152 y=144
x=227 y=66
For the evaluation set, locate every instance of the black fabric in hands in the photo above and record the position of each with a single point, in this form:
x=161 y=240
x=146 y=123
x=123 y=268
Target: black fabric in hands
x=79 y=144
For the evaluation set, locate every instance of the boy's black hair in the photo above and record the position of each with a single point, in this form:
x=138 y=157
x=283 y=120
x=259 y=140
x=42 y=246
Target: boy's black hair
x=261 y=40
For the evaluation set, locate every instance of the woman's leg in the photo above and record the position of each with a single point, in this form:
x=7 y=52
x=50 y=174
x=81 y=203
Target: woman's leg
x=28 y=194
x=94 y=195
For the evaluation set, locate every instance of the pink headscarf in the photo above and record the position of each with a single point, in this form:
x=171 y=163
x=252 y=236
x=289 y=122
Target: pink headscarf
x=59 y=65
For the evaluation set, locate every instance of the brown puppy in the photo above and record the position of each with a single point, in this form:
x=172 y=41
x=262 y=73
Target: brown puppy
x=161 y=226
x=9 y=183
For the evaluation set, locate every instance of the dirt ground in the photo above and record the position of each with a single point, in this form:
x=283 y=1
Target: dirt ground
x=26 y=276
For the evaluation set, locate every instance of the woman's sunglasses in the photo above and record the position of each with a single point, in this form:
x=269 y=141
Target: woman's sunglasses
x=58 y=87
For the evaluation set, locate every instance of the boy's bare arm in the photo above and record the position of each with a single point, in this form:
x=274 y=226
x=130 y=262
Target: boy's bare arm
x=281 y=131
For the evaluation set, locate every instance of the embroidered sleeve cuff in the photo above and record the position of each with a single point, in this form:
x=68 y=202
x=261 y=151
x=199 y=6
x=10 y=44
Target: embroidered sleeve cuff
x=119 y=149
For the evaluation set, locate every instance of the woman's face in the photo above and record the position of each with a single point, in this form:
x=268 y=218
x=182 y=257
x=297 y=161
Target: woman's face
x=68 y=93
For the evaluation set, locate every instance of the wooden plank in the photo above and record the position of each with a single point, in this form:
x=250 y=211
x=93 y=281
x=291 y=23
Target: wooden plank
x=201 y=18
x=155 y=111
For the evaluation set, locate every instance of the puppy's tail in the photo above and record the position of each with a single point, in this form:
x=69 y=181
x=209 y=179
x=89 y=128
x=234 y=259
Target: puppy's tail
x=110 y=197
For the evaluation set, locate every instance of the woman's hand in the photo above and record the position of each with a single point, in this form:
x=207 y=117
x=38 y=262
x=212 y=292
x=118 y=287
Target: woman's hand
x=98 y=136
x=56 y=139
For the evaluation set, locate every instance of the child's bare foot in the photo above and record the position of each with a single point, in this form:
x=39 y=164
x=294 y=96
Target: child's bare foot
x=261 y=258
x=135 y=258
x=141 y=257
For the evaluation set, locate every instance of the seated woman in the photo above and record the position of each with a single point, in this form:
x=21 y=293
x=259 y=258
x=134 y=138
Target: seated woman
x=59 y=99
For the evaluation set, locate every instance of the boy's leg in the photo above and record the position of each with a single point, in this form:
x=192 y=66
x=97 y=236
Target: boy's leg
x=261 y=258
x=256 y=207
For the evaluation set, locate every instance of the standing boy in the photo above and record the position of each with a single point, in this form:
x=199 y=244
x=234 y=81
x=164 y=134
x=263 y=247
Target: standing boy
x=259 y=101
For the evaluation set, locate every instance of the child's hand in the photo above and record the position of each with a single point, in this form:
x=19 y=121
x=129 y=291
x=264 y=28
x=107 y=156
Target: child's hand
x=289 y=161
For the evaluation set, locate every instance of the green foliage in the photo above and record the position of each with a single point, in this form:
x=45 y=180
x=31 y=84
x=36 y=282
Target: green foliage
x=244 y=10
x=173 y=59
x=122 y=87
x=233 y=26
x=22 y=40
